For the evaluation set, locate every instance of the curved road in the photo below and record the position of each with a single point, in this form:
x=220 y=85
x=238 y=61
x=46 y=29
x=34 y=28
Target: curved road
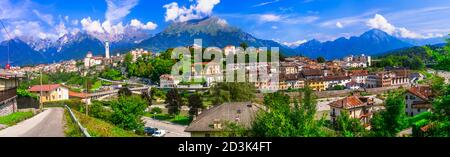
x=172 y=130
x=49 y=123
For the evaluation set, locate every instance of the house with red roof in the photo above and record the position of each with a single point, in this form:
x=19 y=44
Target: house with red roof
x=51 y=92
x=418 y=100
x=358 y=107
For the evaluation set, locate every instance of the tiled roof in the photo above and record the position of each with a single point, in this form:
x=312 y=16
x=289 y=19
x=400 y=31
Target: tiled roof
x=348 y=103
x=44 y=88
x=77 y=95
x=359 y=73
x=241 y=112
x=312 y=72
x=422 y=92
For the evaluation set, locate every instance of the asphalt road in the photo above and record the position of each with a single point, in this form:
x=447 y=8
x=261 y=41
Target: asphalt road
x=172 y=130
x=49 y=123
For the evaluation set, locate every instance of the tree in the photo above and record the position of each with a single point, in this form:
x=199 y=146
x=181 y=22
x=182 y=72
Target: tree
x=128 y=59
x=283 y=120
x=441 y=105
x=321 y=60
x=232 y=92
x=111 y=74
x=244 y=45
x=148 y=96
x=347 y=126
x=393 y=120
x=195 y=103
x=128 y=111
x=442 y=59
x=174 y=102
x=338 y=87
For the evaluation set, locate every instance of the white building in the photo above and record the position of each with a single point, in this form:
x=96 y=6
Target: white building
x=136 y=53
x=168 y=81
x=90 y=60
x=360 y=108
x=362 y=61
x=331 y=81
x=418 y=100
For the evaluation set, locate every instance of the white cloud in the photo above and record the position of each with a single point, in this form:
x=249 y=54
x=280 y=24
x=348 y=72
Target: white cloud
x=269 y=18
x=74 y=22
x=295 y=43
x=47 y=18
x=10 y=11
x=138 y=24
x=23 y=28
x=201 y=9
x=379 y=22
x=339 y=25
x=283 y=18
x=274 y=27
x=118 y=9
x=92 y=26
x=266 y=3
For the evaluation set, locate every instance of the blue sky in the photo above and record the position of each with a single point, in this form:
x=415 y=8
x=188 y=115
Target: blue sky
x=289 y=21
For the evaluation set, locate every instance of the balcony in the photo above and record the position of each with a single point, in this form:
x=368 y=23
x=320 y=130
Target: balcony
x=7 y=94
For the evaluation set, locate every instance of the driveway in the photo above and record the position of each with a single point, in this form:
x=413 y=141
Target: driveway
x=172 y=130
x=49 y=123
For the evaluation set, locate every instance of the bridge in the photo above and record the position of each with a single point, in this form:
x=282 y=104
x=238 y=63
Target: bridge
x=107 y=94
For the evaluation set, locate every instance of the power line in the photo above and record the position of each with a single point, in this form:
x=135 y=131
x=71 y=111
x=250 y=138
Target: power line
x=9 y=36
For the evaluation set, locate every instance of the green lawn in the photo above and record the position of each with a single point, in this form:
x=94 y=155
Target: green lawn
x=178 y=119
x=71 y=129
x=100 y=128
x=15 y=118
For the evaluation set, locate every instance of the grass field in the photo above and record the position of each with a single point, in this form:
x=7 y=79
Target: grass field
x=178 y=119
x=15 y=118
x=97 y=127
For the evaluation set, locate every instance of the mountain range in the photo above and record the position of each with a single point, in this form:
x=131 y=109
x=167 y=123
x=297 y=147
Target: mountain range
x=370 y=43
x=214 y=32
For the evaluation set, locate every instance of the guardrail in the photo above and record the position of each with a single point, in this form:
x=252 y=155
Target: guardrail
x=83 y=130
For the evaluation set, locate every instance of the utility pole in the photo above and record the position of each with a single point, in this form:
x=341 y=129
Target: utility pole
x=40 y=97
x=87 y=89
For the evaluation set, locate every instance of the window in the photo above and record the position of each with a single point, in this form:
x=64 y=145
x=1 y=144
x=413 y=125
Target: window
x=418 y=110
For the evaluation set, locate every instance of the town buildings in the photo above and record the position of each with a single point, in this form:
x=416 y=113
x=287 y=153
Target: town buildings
x=50 y=93
x=362 y=61
x=90 y=60
x=136 y=53
x=8 y=92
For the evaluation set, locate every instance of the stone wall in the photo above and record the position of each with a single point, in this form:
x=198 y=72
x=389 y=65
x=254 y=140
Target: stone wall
x=7 y=107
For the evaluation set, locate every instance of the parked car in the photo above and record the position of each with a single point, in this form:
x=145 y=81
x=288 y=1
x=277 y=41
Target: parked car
x=159 y=133
x=150 y=131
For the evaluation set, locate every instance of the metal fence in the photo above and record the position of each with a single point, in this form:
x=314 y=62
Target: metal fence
x=83 y=130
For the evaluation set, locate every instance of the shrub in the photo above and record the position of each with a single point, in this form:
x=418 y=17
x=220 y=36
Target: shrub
x=156 y=110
